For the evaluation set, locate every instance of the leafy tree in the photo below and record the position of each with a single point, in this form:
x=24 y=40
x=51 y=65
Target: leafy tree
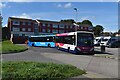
x=87 y=22
x=5 y=33
x=98 y=29
x=79 y=23
x=68 y=20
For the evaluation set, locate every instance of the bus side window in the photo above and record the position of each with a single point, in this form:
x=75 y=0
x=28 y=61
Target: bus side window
x=53 y=39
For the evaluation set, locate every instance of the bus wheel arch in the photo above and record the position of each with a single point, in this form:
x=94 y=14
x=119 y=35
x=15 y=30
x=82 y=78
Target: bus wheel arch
x=68 y=49
x=58 y=47
x=33 y=44
x=49 y=45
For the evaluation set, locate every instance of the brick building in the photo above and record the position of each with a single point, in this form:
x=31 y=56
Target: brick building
x=21 y=28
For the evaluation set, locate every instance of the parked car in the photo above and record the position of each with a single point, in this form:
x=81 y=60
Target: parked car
x=107 y=40
x=97 y=41
x=115 y=44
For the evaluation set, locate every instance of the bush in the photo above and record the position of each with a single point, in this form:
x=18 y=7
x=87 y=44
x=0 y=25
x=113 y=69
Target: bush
x=35 y=70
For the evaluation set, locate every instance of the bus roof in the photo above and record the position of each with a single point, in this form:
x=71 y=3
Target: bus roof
x=72 y=33
x=41 y=35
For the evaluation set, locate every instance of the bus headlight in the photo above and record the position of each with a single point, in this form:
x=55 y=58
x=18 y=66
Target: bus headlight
x=91 y=49
x=78 y=49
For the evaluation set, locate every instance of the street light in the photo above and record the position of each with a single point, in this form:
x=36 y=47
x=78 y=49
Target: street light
x=1 y=18
x=76 y=19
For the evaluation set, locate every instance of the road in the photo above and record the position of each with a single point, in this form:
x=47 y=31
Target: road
x=110 y=51
x=108 y=68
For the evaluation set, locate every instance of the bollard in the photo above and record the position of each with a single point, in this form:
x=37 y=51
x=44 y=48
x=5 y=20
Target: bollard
x=102 y=48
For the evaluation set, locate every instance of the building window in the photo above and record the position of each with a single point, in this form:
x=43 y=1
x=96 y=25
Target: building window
x=15 y=35
x=61 y=26
x=55 y=26
x=23 y=29
x=43 y=24
x=55 y=31
x=66 y=27
x=29 y=29
x=49 y=30
x=24 y=23
x=23 y=34
x=66 y=31
x=29 y=23
x=16 y=29
x=81 y=27
x=48 y=25
x=43 y=30
x=36 y=29
x=16 y=23
x=70 y=26
x=61 y=31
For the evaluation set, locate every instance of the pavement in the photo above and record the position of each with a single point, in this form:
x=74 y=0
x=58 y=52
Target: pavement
x=112 y=53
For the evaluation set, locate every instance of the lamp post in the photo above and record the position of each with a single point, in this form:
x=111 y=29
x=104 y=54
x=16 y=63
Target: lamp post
x=1 y=20
x=76 y=19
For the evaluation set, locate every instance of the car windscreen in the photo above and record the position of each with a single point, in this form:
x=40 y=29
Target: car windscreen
x=104 y=39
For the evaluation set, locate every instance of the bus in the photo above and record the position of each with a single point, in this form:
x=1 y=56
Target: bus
x=75 y=42
x=43 y=40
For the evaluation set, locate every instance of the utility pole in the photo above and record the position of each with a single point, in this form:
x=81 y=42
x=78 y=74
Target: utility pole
x=76 y=19
x=1 y=18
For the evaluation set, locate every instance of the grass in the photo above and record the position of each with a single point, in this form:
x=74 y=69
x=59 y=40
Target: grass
x=9 y=47
x=38 y=71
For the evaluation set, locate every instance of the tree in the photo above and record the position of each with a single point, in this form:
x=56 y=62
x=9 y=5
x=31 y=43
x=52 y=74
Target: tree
x=79 y=23
x=68 y=20
x=98 y=29
x=5 y=33
x=87 y=22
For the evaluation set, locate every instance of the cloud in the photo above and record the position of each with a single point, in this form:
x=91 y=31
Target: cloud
x=59 y=5
x=18 y=0
x=23 y=15
x=88 y=17
x=5 y=25
x=67 y=5
x=2 y=5
x=59 y=0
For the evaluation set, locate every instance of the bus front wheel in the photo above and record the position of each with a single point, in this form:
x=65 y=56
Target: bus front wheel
x=68 y=49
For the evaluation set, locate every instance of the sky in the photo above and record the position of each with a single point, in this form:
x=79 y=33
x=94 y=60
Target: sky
x=99 y=13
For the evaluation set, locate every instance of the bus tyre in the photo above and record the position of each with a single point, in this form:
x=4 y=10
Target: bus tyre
x=68 y=49
x=49 y=45
x=58 y=47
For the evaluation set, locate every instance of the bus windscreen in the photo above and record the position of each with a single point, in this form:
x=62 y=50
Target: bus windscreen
x=84 y=39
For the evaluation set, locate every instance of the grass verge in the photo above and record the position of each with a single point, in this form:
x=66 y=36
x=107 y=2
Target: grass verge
x=8 y=47
x=37 y=71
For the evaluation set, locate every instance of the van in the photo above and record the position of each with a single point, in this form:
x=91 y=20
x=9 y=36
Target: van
x=107 y=40
x=97 y=40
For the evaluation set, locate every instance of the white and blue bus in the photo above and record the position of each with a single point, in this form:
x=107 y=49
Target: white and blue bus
x=43 y=40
